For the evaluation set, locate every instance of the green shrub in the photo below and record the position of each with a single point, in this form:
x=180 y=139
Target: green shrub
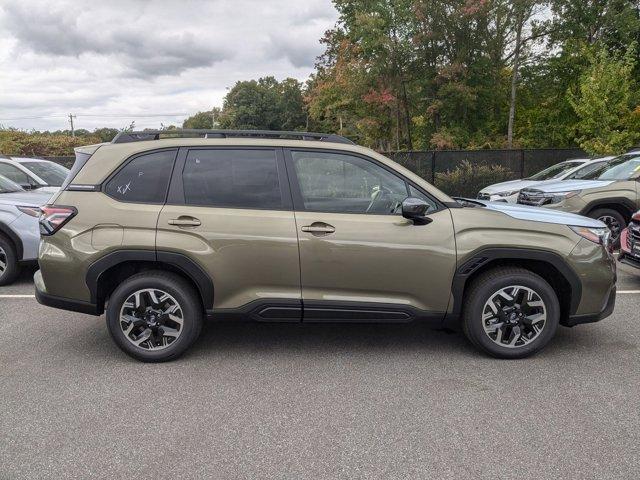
x=468 y=179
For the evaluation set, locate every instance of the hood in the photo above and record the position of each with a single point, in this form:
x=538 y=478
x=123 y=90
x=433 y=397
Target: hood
x=28 y=199
x=545 y=215
x=569 y=185
x=508 y=186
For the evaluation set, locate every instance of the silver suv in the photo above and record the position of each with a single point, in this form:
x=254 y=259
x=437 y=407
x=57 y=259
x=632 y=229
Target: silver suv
x=19 y=230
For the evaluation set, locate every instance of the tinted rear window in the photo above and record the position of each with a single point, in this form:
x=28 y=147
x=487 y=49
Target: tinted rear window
x=232 y=178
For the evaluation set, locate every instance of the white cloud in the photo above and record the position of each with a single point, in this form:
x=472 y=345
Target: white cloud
x=146 y=57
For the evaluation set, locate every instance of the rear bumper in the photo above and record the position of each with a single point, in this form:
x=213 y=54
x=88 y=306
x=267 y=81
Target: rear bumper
x=574 y=320
x=630 y=260
x=62 y=303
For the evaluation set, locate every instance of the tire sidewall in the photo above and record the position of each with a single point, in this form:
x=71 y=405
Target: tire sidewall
x=473 y=318
x=12 y=269
x=184 y=295
x=600 y=212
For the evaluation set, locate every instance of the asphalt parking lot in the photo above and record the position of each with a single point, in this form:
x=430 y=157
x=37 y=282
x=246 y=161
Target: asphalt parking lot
x=316 y=401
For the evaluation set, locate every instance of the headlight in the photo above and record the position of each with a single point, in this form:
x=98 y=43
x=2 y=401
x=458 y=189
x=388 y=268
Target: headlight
x=506 y=194
x=558 y=197
x=595 y=235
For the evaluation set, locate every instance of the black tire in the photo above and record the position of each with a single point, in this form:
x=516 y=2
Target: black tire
x=600 y=213
x=10 y=258
x=485 y=286
x=175 y=286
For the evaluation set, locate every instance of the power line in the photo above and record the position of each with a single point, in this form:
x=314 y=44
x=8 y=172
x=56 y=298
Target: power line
x=106 y=115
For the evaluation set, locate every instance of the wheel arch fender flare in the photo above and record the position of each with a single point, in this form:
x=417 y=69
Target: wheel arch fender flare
x=182 y=263
x=13 y=236
x=483 y=258
x=624 y=202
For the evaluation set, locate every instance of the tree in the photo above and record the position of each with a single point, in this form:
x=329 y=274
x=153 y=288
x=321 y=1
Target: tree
x=264 y=104
x=606 y=105
x=203 y=120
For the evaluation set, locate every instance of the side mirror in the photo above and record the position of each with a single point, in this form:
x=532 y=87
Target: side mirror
x=26 y=186
x=415 y=209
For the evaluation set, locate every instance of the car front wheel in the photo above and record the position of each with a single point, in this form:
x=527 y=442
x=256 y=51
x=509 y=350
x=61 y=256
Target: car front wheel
x=510 y=312
x=9 y=268
x=612 y=219
x=154 y=316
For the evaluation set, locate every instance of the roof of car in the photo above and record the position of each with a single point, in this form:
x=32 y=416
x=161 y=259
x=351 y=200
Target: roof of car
x=28 y=159
x=105 y=158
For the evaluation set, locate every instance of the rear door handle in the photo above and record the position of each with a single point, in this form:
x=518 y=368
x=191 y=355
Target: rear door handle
x=183 y=221
x=319 y=228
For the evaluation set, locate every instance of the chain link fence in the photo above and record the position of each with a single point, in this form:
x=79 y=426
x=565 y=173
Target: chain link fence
x=521 y=163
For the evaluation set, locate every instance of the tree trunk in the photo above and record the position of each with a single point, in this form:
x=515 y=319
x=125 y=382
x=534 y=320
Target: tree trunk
x=514 y=78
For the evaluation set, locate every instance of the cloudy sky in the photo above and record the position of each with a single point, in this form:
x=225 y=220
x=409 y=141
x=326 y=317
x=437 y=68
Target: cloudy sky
x=112 y=62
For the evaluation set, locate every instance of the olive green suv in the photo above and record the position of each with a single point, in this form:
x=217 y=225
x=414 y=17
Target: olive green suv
x=610 y=194
x=165 y=229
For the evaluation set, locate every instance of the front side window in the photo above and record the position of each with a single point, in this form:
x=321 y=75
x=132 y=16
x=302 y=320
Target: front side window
x=7 y=186
x=144 y=179
x=234 y=178
x=343 y=183
x=15 y=174
x=585 y=171
x=52 y=173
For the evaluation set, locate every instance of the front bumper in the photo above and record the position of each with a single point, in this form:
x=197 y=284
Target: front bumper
x=62 y=303
x=574 y=320
x=629 y=247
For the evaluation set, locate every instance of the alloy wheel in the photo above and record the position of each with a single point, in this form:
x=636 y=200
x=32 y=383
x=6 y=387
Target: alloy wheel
x=3 y=261
x=151 y=319
x=514 y=316
x=613 y=225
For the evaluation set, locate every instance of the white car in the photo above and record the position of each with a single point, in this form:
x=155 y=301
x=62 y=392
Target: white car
x=574 y=169
x=33 y=173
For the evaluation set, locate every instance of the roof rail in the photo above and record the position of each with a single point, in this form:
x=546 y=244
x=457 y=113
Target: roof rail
x=143 y=135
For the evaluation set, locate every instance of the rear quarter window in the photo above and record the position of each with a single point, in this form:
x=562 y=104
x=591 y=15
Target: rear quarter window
x=144 y=179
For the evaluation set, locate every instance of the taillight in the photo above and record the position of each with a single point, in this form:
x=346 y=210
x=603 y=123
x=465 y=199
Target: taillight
x=54 y=217
x=31 y=211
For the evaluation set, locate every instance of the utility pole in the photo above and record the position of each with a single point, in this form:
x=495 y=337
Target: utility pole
x=71 y=117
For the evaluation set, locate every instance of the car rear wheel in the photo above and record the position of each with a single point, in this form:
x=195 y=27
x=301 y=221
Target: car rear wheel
x=510 y=312
x=614 y=220
x=9 y=268
x=154 y=316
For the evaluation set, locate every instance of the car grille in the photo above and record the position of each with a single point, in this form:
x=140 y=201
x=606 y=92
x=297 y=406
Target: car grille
x=532 y=197
x=484 y=196
x=634 y=235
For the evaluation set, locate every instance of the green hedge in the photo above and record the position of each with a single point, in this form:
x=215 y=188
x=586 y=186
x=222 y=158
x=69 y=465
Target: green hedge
x=468 y=179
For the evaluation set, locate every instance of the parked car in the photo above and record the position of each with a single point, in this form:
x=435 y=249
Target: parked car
x=568 y=170
x=19 y=230
x=630 y=242
x=33 y=173
x=609 y=194
x=304 y=227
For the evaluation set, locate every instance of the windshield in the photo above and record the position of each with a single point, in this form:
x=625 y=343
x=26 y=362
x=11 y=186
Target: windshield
x=554 y=171
x=621 y=168
x=52 y=173
x=7 y=186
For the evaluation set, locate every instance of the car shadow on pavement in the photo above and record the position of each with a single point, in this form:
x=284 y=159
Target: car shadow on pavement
x=324 y=338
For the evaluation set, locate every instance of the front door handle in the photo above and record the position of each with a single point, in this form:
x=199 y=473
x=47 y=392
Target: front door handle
x=319 y=228
x=184 y=221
